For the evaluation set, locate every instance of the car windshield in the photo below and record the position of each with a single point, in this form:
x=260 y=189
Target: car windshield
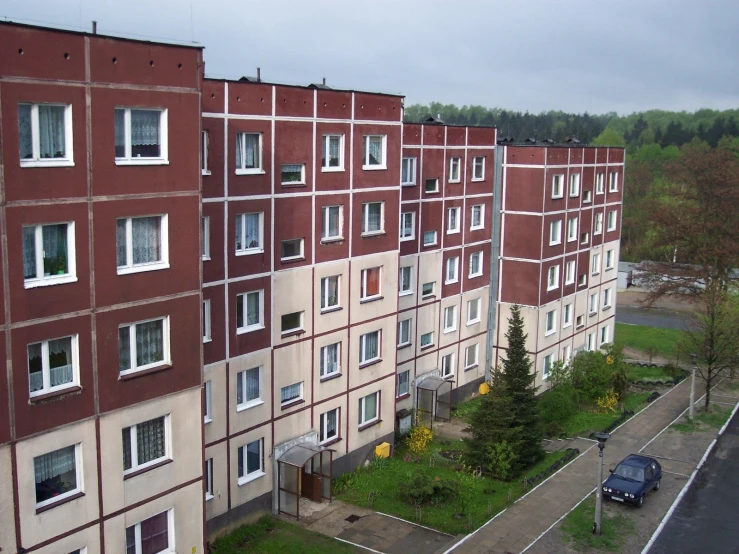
x=630 y=473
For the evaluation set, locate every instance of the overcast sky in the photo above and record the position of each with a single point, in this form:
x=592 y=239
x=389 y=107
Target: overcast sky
x=535 y=55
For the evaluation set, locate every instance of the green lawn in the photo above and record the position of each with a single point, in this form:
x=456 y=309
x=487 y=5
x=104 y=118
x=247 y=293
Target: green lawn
x=377 y=488
x=272 y=536
x=714 y=419
x=577 y=528
x=642 y=337
x=638 y=373
x=464 y=410
x=589 y=420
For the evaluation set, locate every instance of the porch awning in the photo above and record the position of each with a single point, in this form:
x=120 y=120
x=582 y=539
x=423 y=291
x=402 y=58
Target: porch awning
x=298 y=455
x=432 y=383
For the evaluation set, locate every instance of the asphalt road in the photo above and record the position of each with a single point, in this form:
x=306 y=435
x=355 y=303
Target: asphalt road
x=706 y=518
x=651 y=318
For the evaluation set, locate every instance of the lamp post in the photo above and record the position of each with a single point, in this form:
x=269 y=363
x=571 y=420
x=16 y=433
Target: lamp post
x=602 y=438
x=691 y=412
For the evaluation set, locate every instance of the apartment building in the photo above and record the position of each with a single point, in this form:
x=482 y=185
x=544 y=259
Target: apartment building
x=445 y=246
x=100 y=427
x=560 y=222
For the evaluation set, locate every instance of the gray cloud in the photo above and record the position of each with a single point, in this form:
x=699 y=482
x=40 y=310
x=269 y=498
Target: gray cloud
x=572 y=55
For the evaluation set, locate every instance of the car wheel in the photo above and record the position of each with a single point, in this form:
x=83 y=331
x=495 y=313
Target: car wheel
x=640 y=502
x=657 y=485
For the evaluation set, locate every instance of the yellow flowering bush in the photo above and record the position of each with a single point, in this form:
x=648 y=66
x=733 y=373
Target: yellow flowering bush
x=608 y=402
x=419 y=439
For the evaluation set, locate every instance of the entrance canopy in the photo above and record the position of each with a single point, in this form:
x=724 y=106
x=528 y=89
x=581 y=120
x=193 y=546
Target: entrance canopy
x=433 y=400
x=304 y=470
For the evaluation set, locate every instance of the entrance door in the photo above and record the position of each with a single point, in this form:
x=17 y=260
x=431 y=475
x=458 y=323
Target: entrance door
x=311 y=483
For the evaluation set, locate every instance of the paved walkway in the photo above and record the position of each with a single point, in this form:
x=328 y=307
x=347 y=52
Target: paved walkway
x=514 y=529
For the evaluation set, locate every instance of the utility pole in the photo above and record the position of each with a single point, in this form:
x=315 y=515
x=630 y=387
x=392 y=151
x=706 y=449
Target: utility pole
x=691 y=412
x=602 y=438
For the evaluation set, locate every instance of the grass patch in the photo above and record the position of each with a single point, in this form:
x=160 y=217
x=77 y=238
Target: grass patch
x=638 y=373
x=376 y=487
x=577 y=528
x=714 y=419
x=464 y=410
x=590 y=420
x=272 y=536
x=641 y=337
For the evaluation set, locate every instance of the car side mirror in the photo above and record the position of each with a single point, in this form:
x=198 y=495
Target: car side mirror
x=610 y=471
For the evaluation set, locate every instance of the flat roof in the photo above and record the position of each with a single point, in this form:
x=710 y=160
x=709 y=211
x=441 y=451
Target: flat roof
x=253 y=81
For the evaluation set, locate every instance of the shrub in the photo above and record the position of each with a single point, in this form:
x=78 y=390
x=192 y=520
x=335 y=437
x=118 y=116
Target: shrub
x=557 y=405
x=501 y=459
x=419 y=439
x=608 y=401
x=421 y=488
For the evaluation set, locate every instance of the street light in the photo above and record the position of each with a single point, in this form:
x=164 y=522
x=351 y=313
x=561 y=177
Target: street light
x=602 y=438
x=692 y=389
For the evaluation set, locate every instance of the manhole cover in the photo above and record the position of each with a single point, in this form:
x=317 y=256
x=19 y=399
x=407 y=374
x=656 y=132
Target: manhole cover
x=352 y=518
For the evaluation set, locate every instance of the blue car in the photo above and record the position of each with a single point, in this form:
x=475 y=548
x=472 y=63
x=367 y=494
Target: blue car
x=632 y=479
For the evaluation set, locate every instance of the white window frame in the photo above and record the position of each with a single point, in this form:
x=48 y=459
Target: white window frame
x=325 y=288
x=78 y=477
x=453 y=311
x=209 y=479
x=398 y=393
x=582 y=280
x=260 y=148
x=295 y=400
x=326 y=146
x=324 y=361
x=579 y=321
x=572 y=229
x=46 y=370
x=325 y=227
x=135 y=466
x=550 y=323
x=584 y=238
x=411 y=163
x=433 y=289
x=247 y=477
x=546 y=368
x=434 y=189
x=300 y=256
x=323 y=426
x=41 y=280
x=481 y=209
x=293 y=330
x=163 y=159
x=458 y=227
x=567 y=316
x=593 y=304
x=205 y=230
x=425 y=243
x=363 y=285
x=605 y=335
x=570 y=272
x=170 y=533
x=453 y=265
x=595 y=266
x=567 y=354
x=403 y=217
x=255 y=249
x=362 y=405
x=475 y=164
x=558 y=185
x=611 y=221
x=598 y=223
x=613 y=181
x=404 y=323
x=606 y=298
x=204 y=144
x=610 y=256
x=429 y=344
x=478 y=303
x=586 y=197
x=555 y=232
x=481 y=255
x=363 y=347
x=207 y=329
x=293 y=183
x=455 y=162
x=591 y=342
x=208 y=408
x=241 y=376
x=37 y=160
x=241 y=297
x=470 y=364
x=130 y=267
x=401 y=291
x=365 y=219
x=553 y=284
x=599 y=182
x=365 y=152
x=167 y=360
x=574 y=184
x=448 y=365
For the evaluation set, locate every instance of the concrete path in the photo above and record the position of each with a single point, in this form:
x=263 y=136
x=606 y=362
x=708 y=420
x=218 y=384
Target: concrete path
x=517 y=527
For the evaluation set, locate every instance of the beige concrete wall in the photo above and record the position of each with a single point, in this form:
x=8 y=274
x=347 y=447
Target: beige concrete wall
x=216 y=429
x=447 y=338
x=453 y=350
x=259 y=486
x=359 y=438
x=89 y=538
x=219 y=503
x=467 y=375
x=333 y=385
x=427 y=320
x=466 y=330
x=7 y=520
x=292 y=426
x=388 y=341
x=430 y=270
x=407 y=353
x=388 y=303
x=240 y=420
x=324 y=407
x=596 y=273
x=407 y=403
x=325 y=322
x=288 y=296
x=408 y=301
x=292 y=365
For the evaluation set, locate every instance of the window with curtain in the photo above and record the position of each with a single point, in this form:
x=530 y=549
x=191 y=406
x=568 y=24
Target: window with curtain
x=140 y=241
x=43 y=133
x=368 y=408
x=372 y=217
x=404 y=332
x=478 y=168
x=250 y=461
x=56 y=475
x=291 y=322
x=452 y=270
x=332 y=155
x=329 y=292
x=403 y=383
x=427 y=289
x=291 y=393
x=249 y=233
x=370 y=286
x=48 y=253
x=407 y=225
x=369 y=347
x=452 y=225
x=405 y=279
x=408 y=171
x=150 y=536
x=143 y=345
x=248 y=152
x=292 y=174
x=249 y=387
x=450 y=318
x=329 y=360
x=373 y=151
x=52 y=365
x=553 y=277
x=454 y=164
x=429 y=238
x=331 y=224
x=249 y=311
x=144 y=444
x=475 y=264
x=477 y=215
x=138 y=134
x=328 y=428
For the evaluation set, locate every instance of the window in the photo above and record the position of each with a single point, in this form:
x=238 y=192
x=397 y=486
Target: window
x=404 y=332
x=373 y=151
x=453 y=223
x=330 y=360
x=473 y=310
x=611 y=221
x=557 y=186
x=291 y=249
x=142 y=244
x=591 y=342
x=593 y=303
x=551 y=319
x=570 y=272
x=291 y=323
x=452 y=270
x=427 y=289
x=292 y=174
x=249 y=388
x=249 y=233
x=478 y=168
x=606 y=298
x=251 y=461
x=143 y=345
x=407 y=226
x=369 y=408
x=429 y=238
x=328 y=427
x=574 y=184
x=249 y=311
x=447 y=365
x=45 y=135
x=53 y=365
x=405 y=280
x=567 y=315
x=57 y=475
x=209 y=479
x=151 y=536
x=369 y=347
x=571 y=229
x=427 y=339
x=567 y=354
x=579 y=322
x=547 y=368
x=206 y=320
x=613 y=181
x=553 y=277
x=555 y=232
x=329 y=293
x=470 y=356
x=598 y=223
x=604 y=335
x=450 y=319
x=291 y=394
x=331 y=223
x=144 y=444
x=596 y=263
x=332 y=153
x=599 y=178
x=370 y=286
x=204 y=144
x=408 y=171
x=403 y=383
x=582 y=280
x=208 y=394
x=584 y=238
x=48 y=254
x=475 y=264
x=248 y=153
x=431 y=186
x=373 y=220
x=477 y=217
x=140 y=136
x=205 y=237
x=609 y=259
x=454 y=165
x=586 y=197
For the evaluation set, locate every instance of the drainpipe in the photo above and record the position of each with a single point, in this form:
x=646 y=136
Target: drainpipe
x=494 y=261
